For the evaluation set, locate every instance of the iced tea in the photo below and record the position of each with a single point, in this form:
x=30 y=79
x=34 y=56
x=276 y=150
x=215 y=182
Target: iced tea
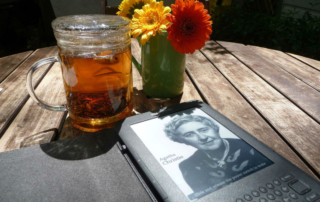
x=98 y=87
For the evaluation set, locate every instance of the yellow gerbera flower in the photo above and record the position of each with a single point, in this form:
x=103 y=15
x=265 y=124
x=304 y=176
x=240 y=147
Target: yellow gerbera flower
x=150 y=19
x=127 y=7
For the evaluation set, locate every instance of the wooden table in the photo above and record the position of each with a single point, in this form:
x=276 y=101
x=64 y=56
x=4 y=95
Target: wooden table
x=272 y=95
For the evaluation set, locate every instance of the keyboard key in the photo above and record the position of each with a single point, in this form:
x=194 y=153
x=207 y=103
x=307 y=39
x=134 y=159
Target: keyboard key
x=285 y=189
x=271 y=196
x=263 y=200
x=299 y=186
x=277 y=192
x=239 y=200
x=270 y=186
x=247 y=197
x=255 y=193
x=263 y=189
x=293 y=195
x=286 y=199
x=286 y=177
x=312 y=197
x=277 y=182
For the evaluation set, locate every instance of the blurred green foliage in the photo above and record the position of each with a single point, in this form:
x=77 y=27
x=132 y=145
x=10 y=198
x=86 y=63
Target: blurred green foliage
x=289 y=32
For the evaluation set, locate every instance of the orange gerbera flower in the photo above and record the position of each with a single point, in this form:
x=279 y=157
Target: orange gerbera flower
x=190 y=27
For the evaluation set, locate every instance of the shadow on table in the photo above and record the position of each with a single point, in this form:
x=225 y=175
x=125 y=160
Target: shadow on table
x=141 y=103
x=75 y=144
x=215 y=48
x=84 y=147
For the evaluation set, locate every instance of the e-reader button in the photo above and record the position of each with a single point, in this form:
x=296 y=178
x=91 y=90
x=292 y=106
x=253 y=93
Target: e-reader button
x=270 y=186
x=271 y=196
x=263 y=200
x=286 y=199
x=248 y=197
x=312 y=197
x=277 y=182
x=286 y=177
x=293 y=196
x=299 y=186
x=285 y=189
x=277 y=192
x=263 y=189
x=255 y=193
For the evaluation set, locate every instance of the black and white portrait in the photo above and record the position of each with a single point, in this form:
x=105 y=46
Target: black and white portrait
x=216 y=159
x=198 y=153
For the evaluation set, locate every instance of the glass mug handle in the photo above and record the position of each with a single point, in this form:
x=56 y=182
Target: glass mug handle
x=31 y=89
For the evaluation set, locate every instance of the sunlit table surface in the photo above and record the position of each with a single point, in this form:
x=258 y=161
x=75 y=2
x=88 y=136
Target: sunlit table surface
x=271 y=94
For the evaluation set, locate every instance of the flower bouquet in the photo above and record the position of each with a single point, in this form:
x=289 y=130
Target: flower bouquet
x=165 y=38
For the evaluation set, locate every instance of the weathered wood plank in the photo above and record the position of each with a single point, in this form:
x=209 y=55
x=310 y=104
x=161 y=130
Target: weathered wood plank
x=221 y=95
x=314 y=63
x=140 y=102
x=9 y=63
x=306 y=97
x=14 y=93
x=295 y=67
x=33 y=124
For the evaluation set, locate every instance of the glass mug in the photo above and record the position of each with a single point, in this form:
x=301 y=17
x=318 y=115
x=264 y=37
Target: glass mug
x=95 y=58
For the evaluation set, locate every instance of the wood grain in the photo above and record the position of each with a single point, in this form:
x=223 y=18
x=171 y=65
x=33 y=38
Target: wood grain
x=314 y=63
x=14 y=93
x=9 y=63
x=39 y=138
x=234 y=101
x=295 y=67
x=306 y=97
x=33 y=124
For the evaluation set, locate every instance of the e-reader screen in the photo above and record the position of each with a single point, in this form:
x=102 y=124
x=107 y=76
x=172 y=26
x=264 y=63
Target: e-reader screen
x=198 y=153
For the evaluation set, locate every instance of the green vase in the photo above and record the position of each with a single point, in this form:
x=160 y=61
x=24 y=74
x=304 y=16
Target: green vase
x=162 y=68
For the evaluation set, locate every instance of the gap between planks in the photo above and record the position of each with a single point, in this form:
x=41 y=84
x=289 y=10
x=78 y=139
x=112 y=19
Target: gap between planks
x=33 y=124
x=14 y=93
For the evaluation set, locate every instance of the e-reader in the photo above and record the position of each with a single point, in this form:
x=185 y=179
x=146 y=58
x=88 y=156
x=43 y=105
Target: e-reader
x=191 y=152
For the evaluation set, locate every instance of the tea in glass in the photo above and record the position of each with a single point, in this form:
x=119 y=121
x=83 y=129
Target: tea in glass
x=98 y=87
x=95 y=58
